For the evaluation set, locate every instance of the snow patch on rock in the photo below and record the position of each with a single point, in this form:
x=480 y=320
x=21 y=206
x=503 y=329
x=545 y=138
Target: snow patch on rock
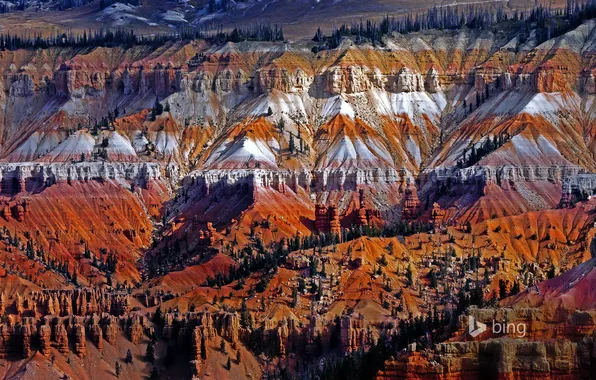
x=337 y=106
x=241 y=151
x=119 y=147
x=73 y=147
x=166 y=143
x=414 y=150
x=415 y=104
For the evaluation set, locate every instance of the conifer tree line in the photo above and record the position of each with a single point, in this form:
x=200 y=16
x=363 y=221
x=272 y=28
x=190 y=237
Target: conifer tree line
x=479 y=151
x=256 y=257
x=128 y=38
x=548 y=22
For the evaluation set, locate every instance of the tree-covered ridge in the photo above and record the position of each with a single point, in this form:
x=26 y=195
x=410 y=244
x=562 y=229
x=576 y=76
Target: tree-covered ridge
x=102 y=37
x=548 y=22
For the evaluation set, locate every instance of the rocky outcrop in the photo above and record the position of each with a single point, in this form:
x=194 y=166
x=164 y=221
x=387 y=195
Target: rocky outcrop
x=411 y=206
x=284 y=335
x=503 y=357
x=134 y=328
x=80 y=81
x=437 y=215
x=354 y=334
x=351 y=179
x=27 y=331
x=513 y=173
x=327 y=219
x=548 y=347
x=69 y=317
x=45 y=337
x=209 y=181
x=18 y=210
x=552 y=342
x=587 y=83
x=206 y=236
x=228 y=73
x=316 y=333
x=198 y=352
x=504 y=176
x=21 y=85
x=350 y=80
x=60 y=336
x=432 y=82
x=577 y=187
x=130 y=82
x=95 y=332
x=228 y=81
x=51 y=334
x=282 y=79
x=18 y=177
x=111 y=329
x=553 y=79
x=356 y=79
x=409 y=81
x=77 y=331
x=19 y=213
x=227 y=325
x=366 y=216
x=80 y=302
x=166 y=79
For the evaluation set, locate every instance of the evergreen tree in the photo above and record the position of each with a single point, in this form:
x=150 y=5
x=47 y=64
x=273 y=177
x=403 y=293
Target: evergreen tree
x=156 y=110
x=433 y=279
x=128 y=359
x=292 y=144
x=154 y=375
x=502 y=289
x=235 y=35
x=170 y=358
x=150 y=353
x=318 y=36
x=203 y=348
x=118 y=369
x=158 y=316
x=222 y=346
x=244 y=314
x=294 y=297
x=515 y=289
x=551 y=272
x=409 y=276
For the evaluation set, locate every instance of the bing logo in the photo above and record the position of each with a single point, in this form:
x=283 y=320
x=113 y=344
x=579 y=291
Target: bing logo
x=475 y=328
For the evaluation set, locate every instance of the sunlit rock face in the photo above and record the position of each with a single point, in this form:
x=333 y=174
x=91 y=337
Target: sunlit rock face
x=196 y=177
